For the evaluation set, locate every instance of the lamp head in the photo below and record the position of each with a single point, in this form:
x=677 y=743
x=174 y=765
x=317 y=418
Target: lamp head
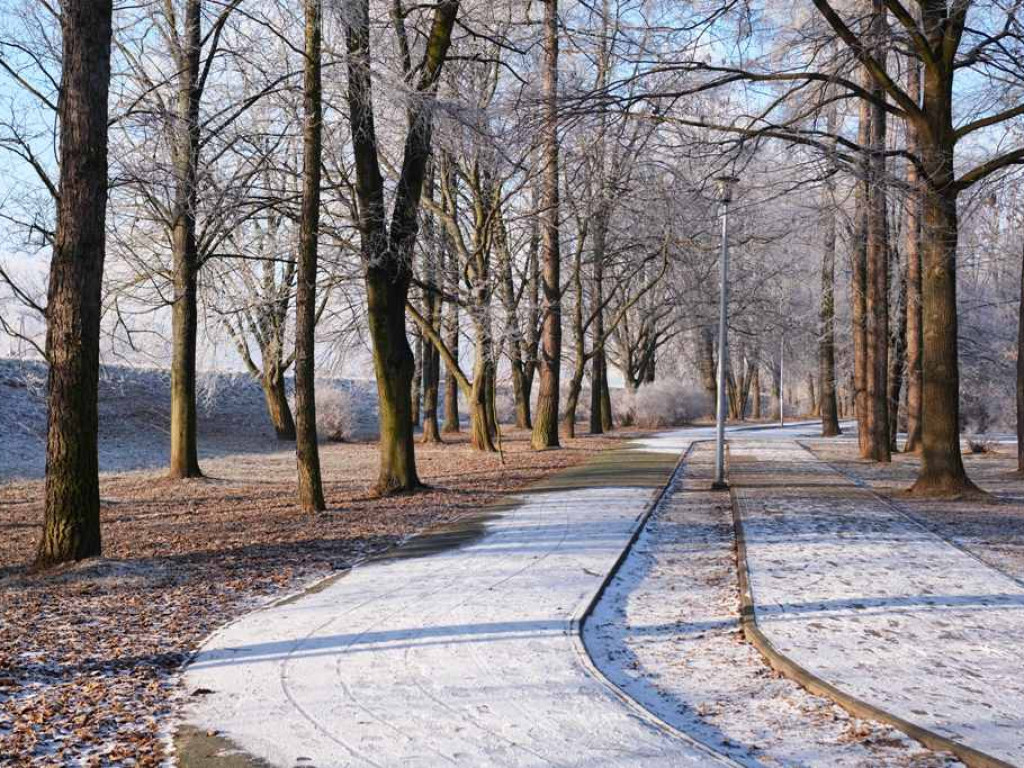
x=725 y=185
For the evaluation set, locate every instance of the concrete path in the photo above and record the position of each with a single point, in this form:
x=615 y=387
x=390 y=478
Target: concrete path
x=876 y=605
x=463 y=655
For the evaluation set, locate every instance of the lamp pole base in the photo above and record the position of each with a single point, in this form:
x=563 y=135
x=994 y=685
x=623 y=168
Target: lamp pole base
x=719 y=485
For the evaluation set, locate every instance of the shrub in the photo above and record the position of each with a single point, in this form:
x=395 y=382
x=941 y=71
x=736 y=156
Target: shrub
x=659 y=404
x=337 y=414
x=980 y=446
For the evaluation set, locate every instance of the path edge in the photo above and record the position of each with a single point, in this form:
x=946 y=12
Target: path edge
x=782 y=664
x=584 y=611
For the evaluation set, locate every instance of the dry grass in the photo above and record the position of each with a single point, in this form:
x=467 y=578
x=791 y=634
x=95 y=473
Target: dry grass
x=88 y=652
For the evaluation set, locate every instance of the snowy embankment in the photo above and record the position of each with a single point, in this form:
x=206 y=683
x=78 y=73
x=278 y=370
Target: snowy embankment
x=667 y=632
x=134 y=414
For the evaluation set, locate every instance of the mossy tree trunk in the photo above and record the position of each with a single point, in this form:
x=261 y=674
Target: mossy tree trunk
x=387 y=248
x=71 y=523
x=276 y=396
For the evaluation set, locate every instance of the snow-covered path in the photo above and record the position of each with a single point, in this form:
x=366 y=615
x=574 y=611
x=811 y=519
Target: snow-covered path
x=462 y=656
x=871 y=602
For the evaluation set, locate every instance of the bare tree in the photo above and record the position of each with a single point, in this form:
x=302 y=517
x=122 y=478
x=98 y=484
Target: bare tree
x=71 y=526
x=387 y=248
x=307 y=452
x=545 y=421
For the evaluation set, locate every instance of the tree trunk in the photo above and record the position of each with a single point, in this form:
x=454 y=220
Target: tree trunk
x=755 y=386
x=827 y=343
x=71 y=524
x=858 y=287
x=431 y=365
x=482 y=428
x=942 y=470
x=513 y=331
x=877 y=295
x=775 y=400
x=276 y=396
x=387 y=250
x=1020 y=374
x=417 y=376
x=812 y=394
x=599 y=374
x=897 y=359
x=545 y=426
x=311 y=493
x=912 y=251
x=451 y=382
x=185 y=312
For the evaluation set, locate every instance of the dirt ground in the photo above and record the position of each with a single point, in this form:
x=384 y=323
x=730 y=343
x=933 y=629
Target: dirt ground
x=89 y=652
x=992 y=529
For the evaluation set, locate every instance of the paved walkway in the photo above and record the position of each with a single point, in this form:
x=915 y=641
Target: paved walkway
x=458 y=656
x=873 y=603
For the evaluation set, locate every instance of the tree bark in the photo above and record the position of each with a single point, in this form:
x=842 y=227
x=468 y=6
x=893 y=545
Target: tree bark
x=432 y=305
x=513 y=332
x=775 y=400
x=71 y=524
x=451 y=383
x=858 y=286
x=706 y=362
x=755 y=387
x=1020 y=373
x=912 y=251
x=877 y=283
x=897 y=359
x=307 y=452
x=276 y=396
x=387 y=250
x=545 y=425
x=827 y=342
x=942 y=471
x=417 y=377
x=185 y=312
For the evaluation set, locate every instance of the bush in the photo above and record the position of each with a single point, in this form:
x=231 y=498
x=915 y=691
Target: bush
x=659 y=405
x=337 y=414
x=980 y=446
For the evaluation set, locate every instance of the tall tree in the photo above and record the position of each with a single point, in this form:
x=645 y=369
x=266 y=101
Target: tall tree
x=186 y=48
x=912 y=253
x=877 y=285
x=71 y=526
x=1020 y=374
x=827 y=338
x=936 y=40
x=307 y=452
x=387 y=248
x=545 y=421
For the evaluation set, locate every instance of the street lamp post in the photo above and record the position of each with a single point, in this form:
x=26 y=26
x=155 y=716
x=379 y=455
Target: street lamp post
x=725 y=188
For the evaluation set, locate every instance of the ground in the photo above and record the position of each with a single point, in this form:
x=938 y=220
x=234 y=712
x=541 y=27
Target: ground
x=660 y=674
x=96 y=674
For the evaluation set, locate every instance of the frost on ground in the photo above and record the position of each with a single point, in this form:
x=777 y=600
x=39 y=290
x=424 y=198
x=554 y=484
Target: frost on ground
x=89 y=653
x=134 y=416
x=993 y=531
x=462 y=657
x=667 y=632
x=865 y=598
